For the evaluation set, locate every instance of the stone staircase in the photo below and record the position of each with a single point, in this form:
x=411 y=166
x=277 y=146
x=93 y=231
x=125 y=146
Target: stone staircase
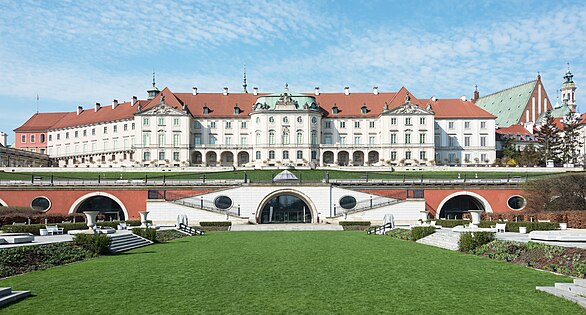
x=8 y=296
x=445 y=239
x=124 y=242
x=575 y=292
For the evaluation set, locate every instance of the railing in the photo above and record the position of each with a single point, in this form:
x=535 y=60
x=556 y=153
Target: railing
x=190 y=230
x=381 y=229
x=368 y=204
x=200 y=204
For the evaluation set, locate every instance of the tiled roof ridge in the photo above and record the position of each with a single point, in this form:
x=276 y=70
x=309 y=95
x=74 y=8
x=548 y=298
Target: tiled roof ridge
x=507 y=89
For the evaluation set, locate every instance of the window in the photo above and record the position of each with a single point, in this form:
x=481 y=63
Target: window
x=76 y=135
x=175 y=156
x=212 y=124
x=408 y=155
x=228 y=140
x=271 y=119
x=115 y=144
x=466 y=125
x=197 y=139
x=161 y=155
x=328 y=124
x=94 y=146
x=299 y=154
x=286 y=137
x=393 y=138
x=213 y=139
x=393 y=121
x=33 y=138
x=50 y=137
x=197 y=124
x=483 y=124
x=145 y=121
x=228 y=125
x=451 y=141
x=342 y=140
x=285 y=155
x=371 y=140
x=105 y=130
x=356 y=139
x=393 y=155
x=356 y=124
x=407 y=138
x=257 y=141
x=258 y=155
x=421 y=138
x=450 y=125
x=223 y=202
x=408 y=121
x=243 y=125
x=347 y=202
x=467 y=141
x=125 y=143
x=84 y=148
x=76 y=149
x=286 y=119
x=161 y=122
x=313 y=120
x=371 y=124
x=67 y=135
x=161 y=139
x=328 y=139
x=58 y=136
x=272 y=137
x=299 y=119
x=84 y=132
x=342 y=124
x=422 y=155
x=133 y=126
x=93 y=131
x=41 y=204
x=422 y=120
x=451 y=157
x=516 y=202
x=176 y=139
x=483 y=158
x=115 y=128
x=467 y=157
x=258 y=120
x=299 y=137
x=176 y=122
x=271 y=155
x=482 y=141
x=313 y=137
x=243 y=140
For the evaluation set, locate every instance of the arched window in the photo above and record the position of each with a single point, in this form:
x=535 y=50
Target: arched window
x=258 y=120
x=299 y=137
x=257 y=141
x=258 y=155
x=161 y=139
x=313 y=137
x=271 y=155
x=271 y=137
x=286 y=137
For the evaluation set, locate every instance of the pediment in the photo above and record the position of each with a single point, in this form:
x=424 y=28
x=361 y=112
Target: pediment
x=162 y=110
x=408 y=109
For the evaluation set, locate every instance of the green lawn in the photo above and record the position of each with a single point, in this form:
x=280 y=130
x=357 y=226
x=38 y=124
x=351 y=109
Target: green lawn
x=267 y=175
x=289 y=272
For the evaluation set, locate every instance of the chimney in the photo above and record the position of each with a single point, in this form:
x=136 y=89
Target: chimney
x=346 y=90
x=375 y=90
x=434 y=99
x=79 y=110
x=317 y=90
x=225 y=91
x=194 y=90
x=133 y=100
x=97 y=107
x=475 y=94
x=254 y=91
x=463 y=98
x=3 y=139
x=114 y=104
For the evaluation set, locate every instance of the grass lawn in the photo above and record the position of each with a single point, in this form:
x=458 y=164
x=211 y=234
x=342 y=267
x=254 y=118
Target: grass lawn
x=267 y=175
x=288 y=272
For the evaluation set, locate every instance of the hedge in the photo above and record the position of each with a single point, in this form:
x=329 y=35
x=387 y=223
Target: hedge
x=575 y=219
x=414 y=234
x=471 y=240
x=98 y=244
x=169 y=235
x=531 y=226
x=34 y=228
x=450 y=223
x=148 y=233
x=215 y=223
x=354 y=223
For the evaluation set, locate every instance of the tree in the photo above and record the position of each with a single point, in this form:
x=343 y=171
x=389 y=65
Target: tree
x=549 y=138
x=571 y=138
x=557 y=193
x=529 y=155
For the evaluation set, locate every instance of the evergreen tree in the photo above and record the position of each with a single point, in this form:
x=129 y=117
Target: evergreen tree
x=549 y=139
x=571 y=138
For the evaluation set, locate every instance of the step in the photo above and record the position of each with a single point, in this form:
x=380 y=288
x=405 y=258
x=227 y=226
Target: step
x=127 y=248
x=5 y=291
x=14 y=297
x=564 y=294
x=571 y=287
x=123 y=246
x=129 y=244
x=132 y=241
x=580 y=282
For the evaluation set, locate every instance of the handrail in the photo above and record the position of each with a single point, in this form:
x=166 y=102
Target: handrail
x=192 y=231
x=383 y=228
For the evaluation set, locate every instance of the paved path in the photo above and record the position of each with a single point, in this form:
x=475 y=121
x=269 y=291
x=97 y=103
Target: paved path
x=287 y=227
x=517 y=237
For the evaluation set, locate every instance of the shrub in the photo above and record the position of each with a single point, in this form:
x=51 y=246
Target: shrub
x=169 y=235
x=355 y=225
x=215 y=223
x=450 y=223
x=402 y=234
x=136 y=222
x=98 y=244
x=148 y=233
x=471 y=240
x=419 y=232
x=34 y=228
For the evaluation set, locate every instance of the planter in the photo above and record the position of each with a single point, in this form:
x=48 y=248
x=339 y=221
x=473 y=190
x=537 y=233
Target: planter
x=563 y=226
x=523 y=230
x=90 y=218
x=475 y=216
x=143 y=218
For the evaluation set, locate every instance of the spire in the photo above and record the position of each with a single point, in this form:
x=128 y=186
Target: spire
x=475 y=94
x=569 y=76
x=152 y=92
x=286 y=87
x=154 y=85
x=244 y=85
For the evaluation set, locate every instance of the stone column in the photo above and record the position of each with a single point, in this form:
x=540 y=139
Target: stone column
x=475 y=215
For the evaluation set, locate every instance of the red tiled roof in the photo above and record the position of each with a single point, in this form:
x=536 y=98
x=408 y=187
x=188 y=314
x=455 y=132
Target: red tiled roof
x=350 y=105
x=220 y=105
x=514 y=130
x=104 y=114
x=40 y=122
x=455 y=108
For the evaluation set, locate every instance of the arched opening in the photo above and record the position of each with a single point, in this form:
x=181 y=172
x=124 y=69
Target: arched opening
x=328 y=157
x=196 y=158
x=3 y=203
x=108 y=207
x=358 y=158
x=285 y=208
x=227 y=158
x=343 y=158
x=211 y=158
x=372 y=157
x=243 y=158
x=455 y=207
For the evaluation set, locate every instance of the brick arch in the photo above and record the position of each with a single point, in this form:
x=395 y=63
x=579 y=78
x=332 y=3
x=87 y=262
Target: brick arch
x=487 y=206
x=3 y=203
x=83 y=198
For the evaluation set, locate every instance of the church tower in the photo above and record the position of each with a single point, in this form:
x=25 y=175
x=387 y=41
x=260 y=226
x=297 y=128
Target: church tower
x=569 y=90
x=152 y=92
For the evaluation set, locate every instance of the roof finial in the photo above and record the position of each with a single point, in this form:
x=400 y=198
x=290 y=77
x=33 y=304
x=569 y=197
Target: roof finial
x=153 y=78
x=244 y=85
x=476 y=87
x=407 y=98
x=568 y=63
x=286 y=87
x=538 y=74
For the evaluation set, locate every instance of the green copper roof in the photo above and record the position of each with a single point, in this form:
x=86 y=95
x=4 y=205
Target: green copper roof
x=299 y=99
x=561 y=111
x=508 y=105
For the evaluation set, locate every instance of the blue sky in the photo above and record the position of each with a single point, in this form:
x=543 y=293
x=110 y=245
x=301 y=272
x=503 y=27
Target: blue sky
x=80 y=52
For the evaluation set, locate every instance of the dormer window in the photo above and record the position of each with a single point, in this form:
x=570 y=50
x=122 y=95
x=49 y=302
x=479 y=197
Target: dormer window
x=236 y=110
x=335 y=109
x=364 y=109
x=206 y=109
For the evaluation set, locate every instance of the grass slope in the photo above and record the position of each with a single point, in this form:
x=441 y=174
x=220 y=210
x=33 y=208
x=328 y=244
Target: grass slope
x=289 y=272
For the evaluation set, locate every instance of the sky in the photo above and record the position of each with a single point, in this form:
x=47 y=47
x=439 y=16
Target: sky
x=77 y=53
